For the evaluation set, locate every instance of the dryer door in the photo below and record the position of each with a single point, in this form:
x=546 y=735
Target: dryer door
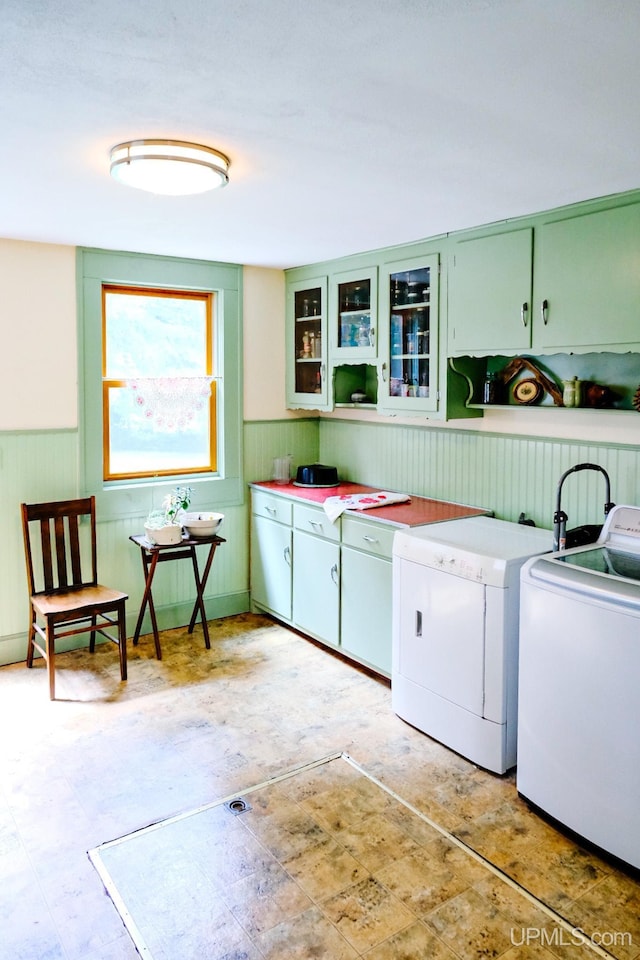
x=442 y=634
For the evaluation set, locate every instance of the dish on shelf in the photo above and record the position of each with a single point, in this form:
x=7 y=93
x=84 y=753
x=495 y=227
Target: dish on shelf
x=527 y=391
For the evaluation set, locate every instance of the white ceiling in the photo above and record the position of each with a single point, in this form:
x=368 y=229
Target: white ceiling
x=351 y=124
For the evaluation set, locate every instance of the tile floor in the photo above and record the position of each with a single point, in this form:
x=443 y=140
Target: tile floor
x=199 y=726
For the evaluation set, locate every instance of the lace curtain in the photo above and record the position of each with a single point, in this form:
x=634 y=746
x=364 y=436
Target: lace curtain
x=170 y=403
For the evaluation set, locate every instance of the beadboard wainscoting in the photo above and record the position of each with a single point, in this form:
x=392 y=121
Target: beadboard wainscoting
x=264 y=440
x=507 y=474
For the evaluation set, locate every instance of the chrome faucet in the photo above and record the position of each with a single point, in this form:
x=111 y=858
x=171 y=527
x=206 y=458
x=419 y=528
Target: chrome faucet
x=560 y=518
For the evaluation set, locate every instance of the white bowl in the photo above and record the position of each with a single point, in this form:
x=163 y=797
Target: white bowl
x=203 y=524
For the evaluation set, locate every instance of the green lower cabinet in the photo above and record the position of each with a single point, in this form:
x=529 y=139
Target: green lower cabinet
x=271 y=565
x=365 y=619
x=365 y=622
x=331 y=581
x=316 y=586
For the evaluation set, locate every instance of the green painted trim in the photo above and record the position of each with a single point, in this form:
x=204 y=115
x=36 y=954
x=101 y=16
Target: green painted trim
x=120 y=499
x=282 y=420
x=44 y=431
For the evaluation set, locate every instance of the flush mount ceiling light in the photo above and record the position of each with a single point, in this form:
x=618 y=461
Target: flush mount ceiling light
x=169 y=166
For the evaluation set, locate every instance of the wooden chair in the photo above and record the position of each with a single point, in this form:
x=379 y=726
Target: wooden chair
x=65 y=596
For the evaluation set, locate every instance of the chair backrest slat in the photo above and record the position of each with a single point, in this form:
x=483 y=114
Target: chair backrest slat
x=47 y=562
x=74 y=543
x=59 y=524
x=61 y=552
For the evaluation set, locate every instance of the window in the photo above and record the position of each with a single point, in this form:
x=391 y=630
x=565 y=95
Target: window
x=158 y=394
x=160 y=341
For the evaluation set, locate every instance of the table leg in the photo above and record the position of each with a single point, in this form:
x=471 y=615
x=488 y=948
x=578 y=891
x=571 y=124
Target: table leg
x=147 y=598
x=200 y=588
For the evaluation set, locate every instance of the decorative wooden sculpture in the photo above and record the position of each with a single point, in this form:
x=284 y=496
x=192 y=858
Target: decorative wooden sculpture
x=518 y=364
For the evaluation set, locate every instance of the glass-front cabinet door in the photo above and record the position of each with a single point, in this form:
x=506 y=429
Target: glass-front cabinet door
x=353 y=312
x=409 y=357
x=307 y=382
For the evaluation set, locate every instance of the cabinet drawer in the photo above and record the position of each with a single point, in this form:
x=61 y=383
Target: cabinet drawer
x=373 y=538
x=275 y=508
x=314 y=520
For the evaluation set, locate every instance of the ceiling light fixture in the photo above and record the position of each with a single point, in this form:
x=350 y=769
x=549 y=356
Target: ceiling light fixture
x=169 y=166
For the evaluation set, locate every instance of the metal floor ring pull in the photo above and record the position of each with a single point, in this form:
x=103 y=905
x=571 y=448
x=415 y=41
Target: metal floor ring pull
x=237 y=805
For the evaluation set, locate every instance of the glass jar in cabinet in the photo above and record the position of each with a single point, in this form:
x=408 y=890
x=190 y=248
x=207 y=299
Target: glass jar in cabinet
x=306 y=363
x=410 y=361
x=353 y=313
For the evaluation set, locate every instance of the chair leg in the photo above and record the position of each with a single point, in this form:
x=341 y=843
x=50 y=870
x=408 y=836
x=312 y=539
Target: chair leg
x=51 y=660
x=31 y=638
x=122 y=641
x=92 y=637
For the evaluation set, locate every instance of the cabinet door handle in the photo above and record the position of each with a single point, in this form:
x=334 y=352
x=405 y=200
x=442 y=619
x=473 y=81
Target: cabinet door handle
x=418 y=623
x=383 y=370
x=334 y=573
x=286 y=553
x=524 y=314
x=370 y=539
x=315 y=524
x=372 y=336
x=271 y=510
x=544 y=311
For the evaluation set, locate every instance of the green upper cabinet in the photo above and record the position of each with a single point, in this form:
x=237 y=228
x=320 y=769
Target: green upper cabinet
x=490 y=290
x=307 y=379
x=568 y=281
x=587 y=281
x=409 y=315
x=353 y=311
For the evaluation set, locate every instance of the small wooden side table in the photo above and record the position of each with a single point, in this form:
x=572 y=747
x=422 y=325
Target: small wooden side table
x=152 y=555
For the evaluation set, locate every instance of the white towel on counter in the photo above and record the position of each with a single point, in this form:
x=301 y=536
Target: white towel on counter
x=335 y=506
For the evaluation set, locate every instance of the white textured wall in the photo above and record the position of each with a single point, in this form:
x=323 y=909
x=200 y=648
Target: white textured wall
x=264 y=345
x=39 y=382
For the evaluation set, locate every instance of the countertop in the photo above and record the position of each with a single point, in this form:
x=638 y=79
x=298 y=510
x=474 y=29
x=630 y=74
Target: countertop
x=415 y=513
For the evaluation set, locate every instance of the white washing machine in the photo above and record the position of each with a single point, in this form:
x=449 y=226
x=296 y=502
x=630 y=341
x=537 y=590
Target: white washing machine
x=578 y=753
x=456 y=592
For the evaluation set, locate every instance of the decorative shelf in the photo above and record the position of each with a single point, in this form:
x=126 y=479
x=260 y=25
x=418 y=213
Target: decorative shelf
x=620 y=372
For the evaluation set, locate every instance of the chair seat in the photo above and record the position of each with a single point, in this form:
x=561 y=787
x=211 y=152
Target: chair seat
x=79 y=599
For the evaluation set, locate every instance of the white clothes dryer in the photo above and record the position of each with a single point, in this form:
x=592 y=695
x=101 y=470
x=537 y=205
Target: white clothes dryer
x=456 y=592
